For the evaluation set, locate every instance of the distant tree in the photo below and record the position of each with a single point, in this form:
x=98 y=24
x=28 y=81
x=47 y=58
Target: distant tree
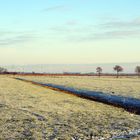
x=33 y=72
x=3 y=70
x=118 y=69
x=137 y=70
x=99 y=71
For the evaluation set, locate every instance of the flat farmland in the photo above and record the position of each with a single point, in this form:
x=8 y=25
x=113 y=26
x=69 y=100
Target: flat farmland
x=123 y=86
x=32 y=112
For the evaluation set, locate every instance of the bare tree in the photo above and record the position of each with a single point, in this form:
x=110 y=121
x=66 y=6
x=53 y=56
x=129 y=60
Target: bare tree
x=99 y=71
x=118 y=69
x=137 y=70
x=3 y=70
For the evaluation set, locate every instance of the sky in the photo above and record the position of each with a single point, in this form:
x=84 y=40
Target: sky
x=69 y=31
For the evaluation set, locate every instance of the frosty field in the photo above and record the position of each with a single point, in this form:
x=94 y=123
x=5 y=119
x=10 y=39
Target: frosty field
x=32 y=112
x=124 y=86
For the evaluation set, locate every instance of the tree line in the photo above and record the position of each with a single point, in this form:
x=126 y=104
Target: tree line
x=118 y=69
x=99 y=70
x=3 y=70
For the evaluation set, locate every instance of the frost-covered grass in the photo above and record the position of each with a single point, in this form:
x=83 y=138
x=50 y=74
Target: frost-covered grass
x=124 y=86
x=32 y=112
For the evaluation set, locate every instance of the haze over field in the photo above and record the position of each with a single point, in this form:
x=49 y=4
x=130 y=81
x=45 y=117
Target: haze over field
x=83 y=68
x=69 y=32
x=69 y=36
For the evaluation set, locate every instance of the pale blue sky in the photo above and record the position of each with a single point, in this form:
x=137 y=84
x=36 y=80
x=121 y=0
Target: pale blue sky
x=71 y=32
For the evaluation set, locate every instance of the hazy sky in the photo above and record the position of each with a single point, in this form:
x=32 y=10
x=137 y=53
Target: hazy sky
x=69 y=31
